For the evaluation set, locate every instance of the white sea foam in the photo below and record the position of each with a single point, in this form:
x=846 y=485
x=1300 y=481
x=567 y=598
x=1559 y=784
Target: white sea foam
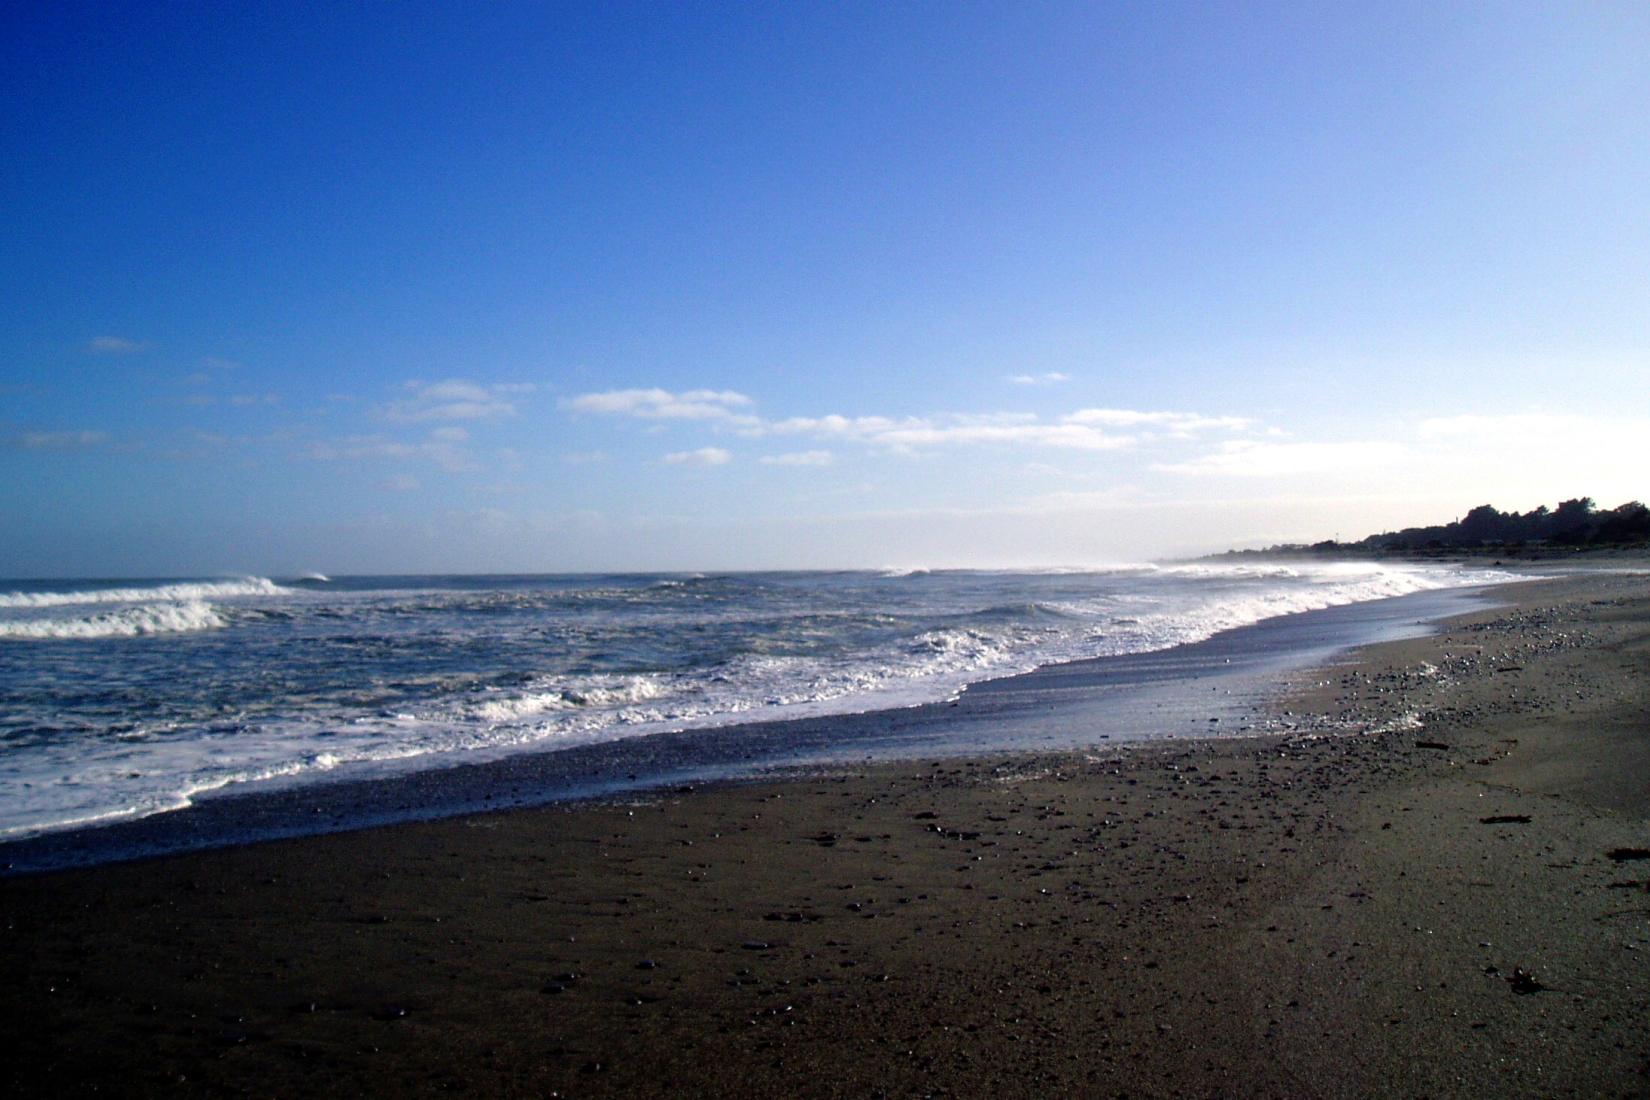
x=414 y=675
x=1309 y=587
x=570 y=694
x=1407 y=722
x=932 y=665
x=187 y=590
x=127 y=622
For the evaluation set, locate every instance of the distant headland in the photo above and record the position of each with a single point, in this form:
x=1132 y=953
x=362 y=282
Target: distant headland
x=1573 y=526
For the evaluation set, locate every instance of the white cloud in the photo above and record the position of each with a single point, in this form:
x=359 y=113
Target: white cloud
x=400 y=483
x=657 y=404
x=456 y=399
x=115 y=345
x=1051 y=378
x=584 y=458
x=1252 y=458
x=1522 y=459
x=799 y=458
x=704 y=456
x=1176 y=422
x=834 y=426
x=1073 y=436
x=1513 y=461
x=908 y=433
x=1085 y=429
x=452 y=434
x=1518 y=429
x=1544 y=442
x=244 y=399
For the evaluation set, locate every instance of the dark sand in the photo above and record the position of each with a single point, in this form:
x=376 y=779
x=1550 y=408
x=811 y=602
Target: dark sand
x=1311 y=913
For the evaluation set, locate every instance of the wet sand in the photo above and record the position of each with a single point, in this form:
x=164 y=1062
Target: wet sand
x=1433 y=884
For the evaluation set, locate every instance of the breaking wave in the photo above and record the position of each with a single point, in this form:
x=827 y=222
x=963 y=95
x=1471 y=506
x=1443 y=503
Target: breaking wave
x=263 y=682
x=182 y=591
x=128 y=622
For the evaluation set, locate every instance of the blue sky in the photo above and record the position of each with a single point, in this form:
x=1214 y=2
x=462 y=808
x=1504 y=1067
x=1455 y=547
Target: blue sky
x=547 y=287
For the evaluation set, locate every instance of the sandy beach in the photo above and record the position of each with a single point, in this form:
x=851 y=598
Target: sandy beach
x=1435 y=880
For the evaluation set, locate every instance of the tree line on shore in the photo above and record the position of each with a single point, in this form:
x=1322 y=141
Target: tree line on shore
x=1574 y=524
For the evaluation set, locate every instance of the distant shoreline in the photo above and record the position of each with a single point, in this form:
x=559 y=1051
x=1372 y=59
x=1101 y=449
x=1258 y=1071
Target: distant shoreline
x=1574 y=528
x=1492 y=555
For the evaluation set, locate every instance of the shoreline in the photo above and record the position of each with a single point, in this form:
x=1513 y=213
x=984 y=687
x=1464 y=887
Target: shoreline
x=1129 y=698
x=1289 y=914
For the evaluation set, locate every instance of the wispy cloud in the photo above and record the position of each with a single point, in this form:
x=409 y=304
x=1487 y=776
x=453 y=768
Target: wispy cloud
x=657 y=404
x=194 y=445
x=799 y=458
x=1178 y=423
x=971 y=430
x=1051 y=378
x=456 y=399
x=1253 y=458
x=914 y=432
x=1542 y=453
x=55 y=441
x=442 y=453
x=400 y=483
x=1084 y=429
x=115 y=345
x=704 y=456
x=1517 y=429
x=360 y=446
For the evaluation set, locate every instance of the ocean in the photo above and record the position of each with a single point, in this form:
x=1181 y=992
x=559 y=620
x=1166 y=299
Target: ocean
x=124 y=699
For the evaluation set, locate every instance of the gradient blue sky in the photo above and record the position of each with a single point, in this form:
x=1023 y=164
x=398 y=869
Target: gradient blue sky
x=553 y=287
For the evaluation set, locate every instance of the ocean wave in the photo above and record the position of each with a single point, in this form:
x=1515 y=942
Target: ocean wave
x=128 y=622
x=1108 y=570
x=412 y=676
x=604 y=691
x=1334 y=585
x=184 y=590
x=1239 y=571
x=981 y=643
x=961 y=646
